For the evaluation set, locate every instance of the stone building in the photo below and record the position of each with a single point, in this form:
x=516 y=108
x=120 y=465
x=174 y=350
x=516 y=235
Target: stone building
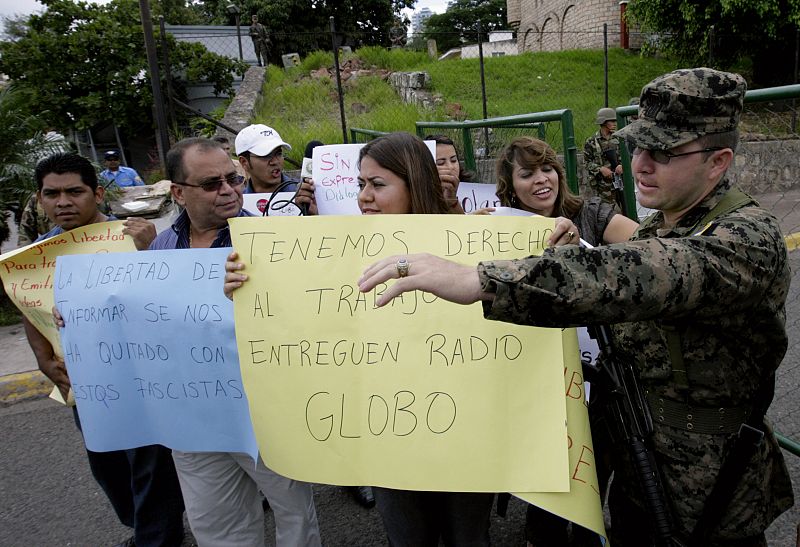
x=554 y=25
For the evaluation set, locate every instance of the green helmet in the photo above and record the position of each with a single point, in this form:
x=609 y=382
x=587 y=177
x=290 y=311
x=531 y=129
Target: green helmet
x=606 y=115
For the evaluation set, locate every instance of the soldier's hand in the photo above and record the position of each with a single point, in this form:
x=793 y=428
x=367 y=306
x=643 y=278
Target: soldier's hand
x=606 y=172
x=618 y=170
x=142 y=231
x=446 y=279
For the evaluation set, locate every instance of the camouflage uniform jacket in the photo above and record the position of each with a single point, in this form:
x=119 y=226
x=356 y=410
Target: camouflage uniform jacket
x=593 y=160
x=723 y=292
x=34 y=222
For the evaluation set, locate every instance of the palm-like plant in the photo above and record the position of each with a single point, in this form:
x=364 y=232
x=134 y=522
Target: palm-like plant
x=23 y=142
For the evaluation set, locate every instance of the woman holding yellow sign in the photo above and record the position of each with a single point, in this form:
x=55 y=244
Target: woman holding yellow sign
x=398 y=176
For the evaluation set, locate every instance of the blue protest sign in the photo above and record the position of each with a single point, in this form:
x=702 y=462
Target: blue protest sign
x=150 y=350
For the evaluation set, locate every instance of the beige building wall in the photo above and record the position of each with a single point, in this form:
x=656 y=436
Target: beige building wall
x=555 y=25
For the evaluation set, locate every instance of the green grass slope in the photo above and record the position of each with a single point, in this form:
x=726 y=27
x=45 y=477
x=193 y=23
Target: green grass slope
x=303 y=108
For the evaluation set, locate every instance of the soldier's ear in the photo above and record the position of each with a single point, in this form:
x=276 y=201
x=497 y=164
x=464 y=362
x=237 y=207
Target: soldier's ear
x=720 y=161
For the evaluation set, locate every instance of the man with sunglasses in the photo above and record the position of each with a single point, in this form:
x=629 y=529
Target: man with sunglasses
x=695 y=303
x=220 y=489
x=117 y=174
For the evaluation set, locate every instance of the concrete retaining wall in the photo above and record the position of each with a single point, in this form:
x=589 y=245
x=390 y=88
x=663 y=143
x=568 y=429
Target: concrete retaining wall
x=242 y=108
x=412 y=88
x=767 y=166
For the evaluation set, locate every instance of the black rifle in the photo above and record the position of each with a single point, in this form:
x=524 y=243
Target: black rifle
x=630 y=414
x=619 y=193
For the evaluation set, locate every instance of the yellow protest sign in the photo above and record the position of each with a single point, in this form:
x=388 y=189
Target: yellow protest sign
x=582 y=503
x=29 y=272
x=421 y=394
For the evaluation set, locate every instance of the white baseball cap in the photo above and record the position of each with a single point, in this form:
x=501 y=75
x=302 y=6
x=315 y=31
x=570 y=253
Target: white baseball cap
x=258 y=139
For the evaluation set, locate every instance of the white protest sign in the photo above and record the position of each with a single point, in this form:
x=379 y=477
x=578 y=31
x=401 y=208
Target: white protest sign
x=335 y=173
x=476 y=195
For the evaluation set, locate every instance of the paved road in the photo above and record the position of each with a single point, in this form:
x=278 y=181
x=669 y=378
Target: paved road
x=48 y=496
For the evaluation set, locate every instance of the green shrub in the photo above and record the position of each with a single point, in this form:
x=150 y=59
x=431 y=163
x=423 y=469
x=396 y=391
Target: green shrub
x=316 y=60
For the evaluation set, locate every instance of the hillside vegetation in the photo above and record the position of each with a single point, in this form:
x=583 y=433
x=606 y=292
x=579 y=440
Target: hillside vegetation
x=302 y=108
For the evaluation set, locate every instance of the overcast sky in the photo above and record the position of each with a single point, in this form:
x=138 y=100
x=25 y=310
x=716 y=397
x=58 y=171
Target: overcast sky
x=11 y=7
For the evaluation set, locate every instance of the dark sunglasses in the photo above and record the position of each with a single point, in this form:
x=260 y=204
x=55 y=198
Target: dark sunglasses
x=664 y=156
x=213 y=185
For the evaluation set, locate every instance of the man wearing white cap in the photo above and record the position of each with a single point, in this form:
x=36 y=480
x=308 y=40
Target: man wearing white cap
x=260 y=151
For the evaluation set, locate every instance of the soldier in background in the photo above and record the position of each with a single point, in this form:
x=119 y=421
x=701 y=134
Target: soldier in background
x=33 y=223
x=261 y=41
x=398 y=34
x=601 y=156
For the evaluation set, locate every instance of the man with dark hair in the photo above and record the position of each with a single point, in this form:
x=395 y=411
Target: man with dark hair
x=695 y=302
x=260 y=150
x=220 y=489
x=117 y=174
x=140 y=483
x=225 y=142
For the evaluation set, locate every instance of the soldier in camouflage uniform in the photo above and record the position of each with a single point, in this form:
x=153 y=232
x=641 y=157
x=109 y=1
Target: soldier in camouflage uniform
x=261 y=41
x=33 y=223
x=695 y=302
x=599 y=171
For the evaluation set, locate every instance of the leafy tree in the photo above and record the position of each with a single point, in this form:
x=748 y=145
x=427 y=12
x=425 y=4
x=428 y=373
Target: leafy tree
x=459 y=24
x=23 y=142
x=84 y=63
x=303 y=26
x=761 y=30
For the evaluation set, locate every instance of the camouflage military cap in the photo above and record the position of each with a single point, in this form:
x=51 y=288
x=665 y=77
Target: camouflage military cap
x=686 y=104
